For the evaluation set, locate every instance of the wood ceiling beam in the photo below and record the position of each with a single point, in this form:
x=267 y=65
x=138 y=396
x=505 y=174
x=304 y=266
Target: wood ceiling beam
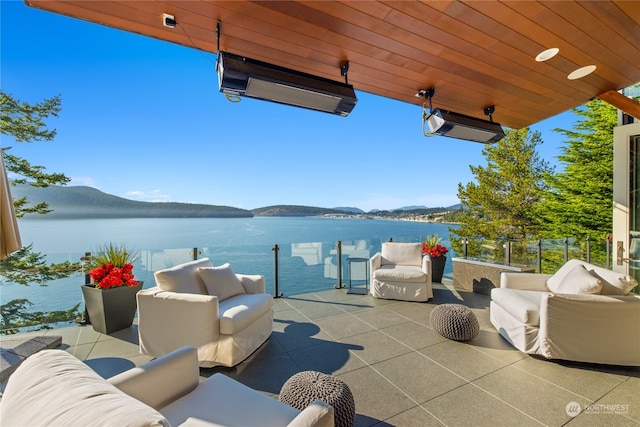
x=621 y=102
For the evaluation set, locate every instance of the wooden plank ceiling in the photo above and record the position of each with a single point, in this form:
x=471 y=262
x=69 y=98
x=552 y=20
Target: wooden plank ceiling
x=475 y=53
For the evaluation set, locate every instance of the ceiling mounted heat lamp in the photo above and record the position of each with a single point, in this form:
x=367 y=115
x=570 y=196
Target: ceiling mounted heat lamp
x=456 y=125
x=240 y=76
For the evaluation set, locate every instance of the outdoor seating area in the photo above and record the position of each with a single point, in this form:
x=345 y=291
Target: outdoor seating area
x=400 y=371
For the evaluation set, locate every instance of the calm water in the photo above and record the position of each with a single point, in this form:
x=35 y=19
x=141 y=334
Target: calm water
x=307 y=248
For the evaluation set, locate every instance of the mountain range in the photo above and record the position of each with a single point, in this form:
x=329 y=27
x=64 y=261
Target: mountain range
x=87 y=202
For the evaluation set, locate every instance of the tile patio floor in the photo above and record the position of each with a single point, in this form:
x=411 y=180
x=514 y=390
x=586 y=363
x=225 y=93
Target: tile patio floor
x=400 y=371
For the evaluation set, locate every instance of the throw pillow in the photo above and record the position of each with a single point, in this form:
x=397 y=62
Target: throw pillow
x=622 y=286
x=579 y=281
x=401 y=253
x=52 y=387
x=221 y=281
x=183 y=278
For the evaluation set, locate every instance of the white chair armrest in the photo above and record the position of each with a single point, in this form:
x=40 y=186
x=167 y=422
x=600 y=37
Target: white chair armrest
x=524 y=281
x=163 y=380
x=375 y=262
x=601 y=326
x=317 y=414
x=426 y=265
x=252 y=283
x=170 y=320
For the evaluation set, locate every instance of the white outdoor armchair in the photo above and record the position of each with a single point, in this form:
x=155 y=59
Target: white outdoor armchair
x=399 y=271
x=225 y=315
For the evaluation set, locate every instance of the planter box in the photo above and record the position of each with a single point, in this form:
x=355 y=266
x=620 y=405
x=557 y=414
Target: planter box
x=111 y=310
x=481 y=276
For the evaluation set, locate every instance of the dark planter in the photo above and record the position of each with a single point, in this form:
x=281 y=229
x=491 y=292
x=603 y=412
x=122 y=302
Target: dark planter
x=437 y=268
x=111 y=309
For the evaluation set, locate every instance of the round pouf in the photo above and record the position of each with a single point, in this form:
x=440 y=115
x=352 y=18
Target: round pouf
x=305 y=387
x=455 y=321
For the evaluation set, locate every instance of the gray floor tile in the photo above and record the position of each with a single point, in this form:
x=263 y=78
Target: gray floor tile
x=343 y=326
x=587 y=383
x=418 y=377
x=328 y=357
x=414 y=417
x=381 y=318
x=536 y=397
x=414 y=335
x=297 y=335
x=626 y=393
x=375 y=398
x=491 y=343
x=471 y=406
x=464 y=360
x=376 y=346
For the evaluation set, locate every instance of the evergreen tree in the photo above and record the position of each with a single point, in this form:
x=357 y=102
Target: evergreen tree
x=26 y=123
x=579 y=201
x=503 y=204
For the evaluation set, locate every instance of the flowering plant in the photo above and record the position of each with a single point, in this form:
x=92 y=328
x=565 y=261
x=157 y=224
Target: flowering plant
x=431 y=246
x=111 y=267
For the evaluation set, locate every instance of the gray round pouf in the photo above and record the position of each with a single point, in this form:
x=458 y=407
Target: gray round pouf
x=305 y=387
x=455 y=321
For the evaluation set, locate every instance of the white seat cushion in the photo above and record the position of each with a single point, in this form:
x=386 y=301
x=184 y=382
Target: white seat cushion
x=522 y=305
x=221 y=281
x=242 y=406
x=400 y=273
x=240 y=311
x=183 y=278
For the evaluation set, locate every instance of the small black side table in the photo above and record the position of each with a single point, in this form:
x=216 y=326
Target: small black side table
x=359 y=290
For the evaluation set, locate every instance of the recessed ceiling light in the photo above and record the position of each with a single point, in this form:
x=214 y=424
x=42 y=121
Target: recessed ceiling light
x=547 y=54
x=581 y=72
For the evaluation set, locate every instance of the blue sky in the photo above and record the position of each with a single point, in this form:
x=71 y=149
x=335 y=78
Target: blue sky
x=143 y=119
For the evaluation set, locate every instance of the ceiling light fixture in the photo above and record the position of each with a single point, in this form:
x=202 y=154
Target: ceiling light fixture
x=456 y=125
x=545 y=55
x=168 y=21
x=581 y=72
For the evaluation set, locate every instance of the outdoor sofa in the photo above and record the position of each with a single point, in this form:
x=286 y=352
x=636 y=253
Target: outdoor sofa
x=225 y=315
x=53 y=388
x=581 y=313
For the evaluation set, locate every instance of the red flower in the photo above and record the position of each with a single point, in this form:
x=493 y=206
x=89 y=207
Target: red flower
x=108 y=276
x=434 y=251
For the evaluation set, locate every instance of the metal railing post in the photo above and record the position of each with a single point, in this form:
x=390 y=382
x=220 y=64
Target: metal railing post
x=340 y=285
x=194 y=253
x=589 y=249
x=507 y=253
x=566 y=249
x=275 y=250
x=608 y=247
x=84 y=319
x=539 y=256
x=465 y=243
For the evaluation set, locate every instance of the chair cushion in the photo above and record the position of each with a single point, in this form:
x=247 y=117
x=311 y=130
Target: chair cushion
x=221 y=281
x=401 y=253
x=222 y=401
x=240 y=311
x=400 y=273
x=522 y=305
x=53 y=388
x=183 y=278
x=577 y=281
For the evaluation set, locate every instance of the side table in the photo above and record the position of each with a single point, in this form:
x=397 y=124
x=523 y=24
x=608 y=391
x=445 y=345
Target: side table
x=359 y=290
